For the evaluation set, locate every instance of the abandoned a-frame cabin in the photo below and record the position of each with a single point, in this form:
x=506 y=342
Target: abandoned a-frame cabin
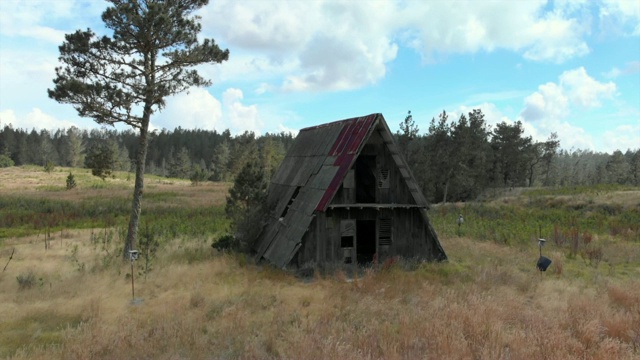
x=344 y=195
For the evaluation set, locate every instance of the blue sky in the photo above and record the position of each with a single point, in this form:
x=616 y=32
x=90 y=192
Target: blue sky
x=571 y=67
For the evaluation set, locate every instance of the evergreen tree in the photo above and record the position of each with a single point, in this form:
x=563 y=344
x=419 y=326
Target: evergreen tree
x=220 y=161
x=48 y=152
x=408 y=132
x=246 y=201
x=8 y=143
x=102 y=158
x=471 y=156
x=74 y=148
x=244 y=149
x=618 y=168
x=147 y=58
x=511 y=154
x=439 y=146
x=198 y=175
x=33 y=150
x=634 y=167
x=549 y=154
x=180 y=164
x=71 y=181
x=272 y=153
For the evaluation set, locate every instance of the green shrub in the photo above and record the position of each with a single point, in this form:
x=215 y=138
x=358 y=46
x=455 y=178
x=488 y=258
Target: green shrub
x=5 y=161
x=227 y=242
x=48 y=167
x=71 y=182
x=199 y=175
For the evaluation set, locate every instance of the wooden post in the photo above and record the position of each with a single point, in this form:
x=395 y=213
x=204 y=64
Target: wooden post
x=10 y=257
x=133 y=293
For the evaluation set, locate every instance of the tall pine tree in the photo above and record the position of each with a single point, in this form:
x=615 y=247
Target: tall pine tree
x=125 y=77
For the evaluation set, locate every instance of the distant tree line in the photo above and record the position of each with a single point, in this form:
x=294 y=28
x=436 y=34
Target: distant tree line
x=453 y=161
x=457 y=160
x=197 y=154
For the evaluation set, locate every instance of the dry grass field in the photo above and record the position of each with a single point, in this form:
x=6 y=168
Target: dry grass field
x=487 y=302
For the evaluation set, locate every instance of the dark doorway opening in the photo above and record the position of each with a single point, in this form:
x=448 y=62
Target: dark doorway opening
x=366 y=241
x=366 y=179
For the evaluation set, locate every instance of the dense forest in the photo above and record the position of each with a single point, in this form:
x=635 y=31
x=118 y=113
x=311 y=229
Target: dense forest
x=453 y=160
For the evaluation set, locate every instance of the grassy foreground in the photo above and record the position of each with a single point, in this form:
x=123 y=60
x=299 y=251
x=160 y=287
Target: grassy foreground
x=486 y=302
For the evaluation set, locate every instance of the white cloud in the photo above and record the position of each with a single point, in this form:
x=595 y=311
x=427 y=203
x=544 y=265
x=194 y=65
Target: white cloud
x=318 y=45
x=613 y=73
x=621 y=16
x=550 y=101
x=492 y=115
x=349 y=65
x=288 y=130
x=35 y=19
x=584 y=90
x=622 y=138
x=553 y=100
x=198 y=109
x=630 y=68
x=468 y=27
x=554 y=105
x=194 y=110
x=326 y=45
x=570 y=136
x=35 y=119
x=240 y=117
x=555 y=39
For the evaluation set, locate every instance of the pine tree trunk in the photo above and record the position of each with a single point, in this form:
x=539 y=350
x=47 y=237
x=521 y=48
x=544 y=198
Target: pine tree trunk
x=136 y=206
x=446 y=186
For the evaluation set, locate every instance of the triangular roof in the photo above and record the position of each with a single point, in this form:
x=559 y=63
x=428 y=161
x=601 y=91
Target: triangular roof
x=311 y=174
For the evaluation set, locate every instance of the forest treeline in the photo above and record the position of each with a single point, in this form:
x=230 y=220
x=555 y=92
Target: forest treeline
x=178 y=153
x=458 y=160
x=454 y=160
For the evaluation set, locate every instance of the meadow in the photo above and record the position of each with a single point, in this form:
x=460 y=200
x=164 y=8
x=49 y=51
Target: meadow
x=65 y=293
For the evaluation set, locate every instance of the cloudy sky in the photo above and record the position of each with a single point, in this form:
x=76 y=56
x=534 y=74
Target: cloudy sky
x=567 y=66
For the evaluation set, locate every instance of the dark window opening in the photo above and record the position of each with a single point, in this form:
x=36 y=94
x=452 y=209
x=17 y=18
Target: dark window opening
x=366 y=179
x=365 y=241
x=346 y=241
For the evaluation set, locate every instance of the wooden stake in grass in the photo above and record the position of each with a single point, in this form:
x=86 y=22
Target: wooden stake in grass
x=133 y=256
x=10 y=257
x=460 y=221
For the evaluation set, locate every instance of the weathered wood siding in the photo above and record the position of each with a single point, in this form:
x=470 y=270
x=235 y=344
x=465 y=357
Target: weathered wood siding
x=411 y=236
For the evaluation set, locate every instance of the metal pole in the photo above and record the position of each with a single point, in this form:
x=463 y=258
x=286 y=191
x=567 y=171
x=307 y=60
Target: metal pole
x=132 y=287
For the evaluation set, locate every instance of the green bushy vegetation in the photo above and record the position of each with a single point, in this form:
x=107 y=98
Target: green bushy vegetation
x=517 y=224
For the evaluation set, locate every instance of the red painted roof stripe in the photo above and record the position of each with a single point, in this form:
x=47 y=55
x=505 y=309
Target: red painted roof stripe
x=345 y=149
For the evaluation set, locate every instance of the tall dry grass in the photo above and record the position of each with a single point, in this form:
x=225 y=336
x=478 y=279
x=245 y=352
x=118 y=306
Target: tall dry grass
x=488 y=302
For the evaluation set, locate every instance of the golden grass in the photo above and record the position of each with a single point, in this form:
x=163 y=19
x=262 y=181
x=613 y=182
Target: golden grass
x=33 y=181
x=487 y=302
